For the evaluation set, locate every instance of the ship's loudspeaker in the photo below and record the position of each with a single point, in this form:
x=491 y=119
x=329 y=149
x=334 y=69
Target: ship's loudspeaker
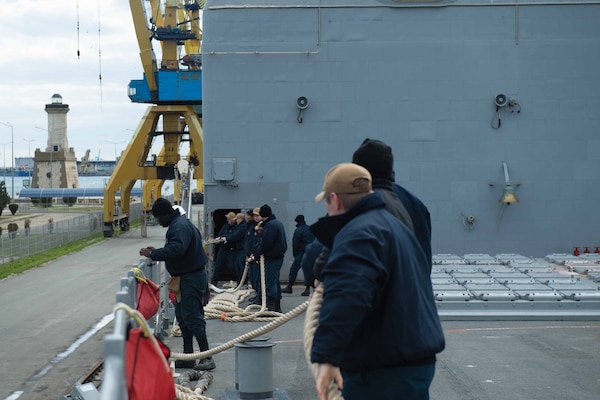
x=501 y=100
x=302 y=103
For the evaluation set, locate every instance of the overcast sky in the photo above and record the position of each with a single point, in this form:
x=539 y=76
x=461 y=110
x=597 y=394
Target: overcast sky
x=39 y=41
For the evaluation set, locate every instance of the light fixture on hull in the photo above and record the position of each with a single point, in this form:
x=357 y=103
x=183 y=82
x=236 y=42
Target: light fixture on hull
x=508 y=193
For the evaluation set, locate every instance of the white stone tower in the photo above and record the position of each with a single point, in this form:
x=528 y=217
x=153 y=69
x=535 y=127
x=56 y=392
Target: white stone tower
x=57 y=166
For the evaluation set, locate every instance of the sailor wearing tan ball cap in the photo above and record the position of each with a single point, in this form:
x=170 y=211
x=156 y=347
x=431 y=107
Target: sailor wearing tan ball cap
x=375 y=292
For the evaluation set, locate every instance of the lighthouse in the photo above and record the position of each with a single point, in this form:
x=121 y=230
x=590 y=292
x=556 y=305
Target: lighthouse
x=56 y=167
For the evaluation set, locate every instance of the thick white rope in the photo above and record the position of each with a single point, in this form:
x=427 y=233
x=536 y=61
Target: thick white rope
x=225 y=306
x=245 y=337
x=311 y=321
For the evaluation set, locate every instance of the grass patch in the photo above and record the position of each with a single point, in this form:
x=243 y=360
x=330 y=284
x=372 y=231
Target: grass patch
x=37 y=260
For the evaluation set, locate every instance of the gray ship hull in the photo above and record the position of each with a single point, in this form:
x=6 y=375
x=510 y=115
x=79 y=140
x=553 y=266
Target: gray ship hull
x=425 y=78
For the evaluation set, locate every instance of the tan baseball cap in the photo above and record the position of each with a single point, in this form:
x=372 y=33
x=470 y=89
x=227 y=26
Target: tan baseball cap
x=346 y=178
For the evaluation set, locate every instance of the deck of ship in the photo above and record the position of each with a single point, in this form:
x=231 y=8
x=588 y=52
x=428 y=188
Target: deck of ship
x=538 y=355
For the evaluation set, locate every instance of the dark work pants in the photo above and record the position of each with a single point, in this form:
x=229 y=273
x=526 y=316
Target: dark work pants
x=272 y=270
x=225 y=256
x=392 y=383
x=190 y=312
x=254 y=276
x=309 y=275
x=295 y=268
x=240 y=263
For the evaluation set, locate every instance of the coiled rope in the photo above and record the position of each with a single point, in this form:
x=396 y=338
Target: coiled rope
x=185 y=393
x=225 y=306
x=311 y=321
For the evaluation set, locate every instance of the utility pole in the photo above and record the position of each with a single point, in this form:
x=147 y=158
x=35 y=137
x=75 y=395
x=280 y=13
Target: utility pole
x=115 y=143
x=4 y=162
x=29 y=153
x=12 y=156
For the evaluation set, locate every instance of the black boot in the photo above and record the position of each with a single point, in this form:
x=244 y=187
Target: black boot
x=278 y=305
x=188 y=348
x=288 y=288
x=257 y=299
x=205 y=364
x=271 y=304
x=306 y=292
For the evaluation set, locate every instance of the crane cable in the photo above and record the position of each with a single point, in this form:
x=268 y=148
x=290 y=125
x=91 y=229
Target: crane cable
x=78 y=52
x=99 y=54
x=99 y=47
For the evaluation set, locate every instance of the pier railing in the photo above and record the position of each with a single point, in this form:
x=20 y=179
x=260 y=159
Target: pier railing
x=28 y=241
x=114 y=385
x=113 y=378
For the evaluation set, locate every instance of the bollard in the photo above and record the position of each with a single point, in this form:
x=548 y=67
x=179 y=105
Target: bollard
x=256 y=339
x=255 y=369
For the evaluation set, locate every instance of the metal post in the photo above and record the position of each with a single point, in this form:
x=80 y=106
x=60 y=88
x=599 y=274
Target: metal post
x=12 y=154
x=255 y=369
x=144 y=227
x=4 y=162
x=29 y=153
x=115 y=143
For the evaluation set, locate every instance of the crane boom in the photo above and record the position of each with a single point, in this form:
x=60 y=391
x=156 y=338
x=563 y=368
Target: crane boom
x=176 y=25
x=144 y=39
x=173 y=87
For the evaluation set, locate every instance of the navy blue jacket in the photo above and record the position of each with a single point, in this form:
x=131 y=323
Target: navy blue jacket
x=378 y=307
x=392 y=202
x=308 y=260
x=302 y=238
x=420 y=217
x=252 y=239
x=228 y=232
x=183 y=251
x=273 y=243
x=237 y=236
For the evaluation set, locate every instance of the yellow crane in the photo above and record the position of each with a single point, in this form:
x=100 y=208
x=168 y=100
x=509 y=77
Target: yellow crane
x=173 y=87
